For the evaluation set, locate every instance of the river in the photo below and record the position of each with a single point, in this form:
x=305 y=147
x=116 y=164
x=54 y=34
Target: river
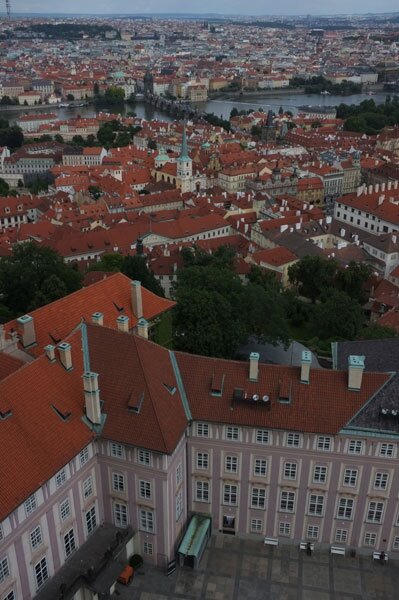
x=221 y=108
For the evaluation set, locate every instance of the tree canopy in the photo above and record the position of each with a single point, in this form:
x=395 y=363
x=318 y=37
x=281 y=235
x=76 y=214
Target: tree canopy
x=134 y=267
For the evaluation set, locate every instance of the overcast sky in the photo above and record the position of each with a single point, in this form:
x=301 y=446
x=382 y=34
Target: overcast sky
x=255 y=7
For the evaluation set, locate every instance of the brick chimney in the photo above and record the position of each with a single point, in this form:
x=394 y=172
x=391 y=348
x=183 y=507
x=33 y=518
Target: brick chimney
x=355 y=372
x=28 y=331
x=123 y=323
x=137 y=299
x=253 y=366
x=97 y=318
x=142 y=328
x=306 y=361
x=65 y=351
x=92 y=397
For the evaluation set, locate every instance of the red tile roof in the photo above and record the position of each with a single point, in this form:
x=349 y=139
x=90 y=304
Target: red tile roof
x=9 y=364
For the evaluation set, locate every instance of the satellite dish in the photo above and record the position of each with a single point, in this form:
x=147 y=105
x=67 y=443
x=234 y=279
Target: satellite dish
x=266 y=398
x=255 y=397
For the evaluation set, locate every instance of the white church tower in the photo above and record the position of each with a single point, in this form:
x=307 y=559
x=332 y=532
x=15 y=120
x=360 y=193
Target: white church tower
x=184 y=167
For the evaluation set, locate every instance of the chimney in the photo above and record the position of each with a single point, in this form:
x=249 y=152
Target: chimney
x=253 y=366
x=355 y=372
x=383 y=186
x=370 y=189
x=395 y=184
x=381 y=199
x=306 y=361
x=28 y=331
x=92 y=397
x=137 y=299
x=50 y=352
x=389 y=186
x=377 y=188
x=97 y=318
x=142 y=328
x=65 y=351
x=123 y=323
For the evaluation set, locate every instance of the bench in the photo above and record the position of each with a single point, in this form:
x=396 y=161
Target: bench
x=377 y=555
x=304 y=546
x=269 y=541
x=337 y=550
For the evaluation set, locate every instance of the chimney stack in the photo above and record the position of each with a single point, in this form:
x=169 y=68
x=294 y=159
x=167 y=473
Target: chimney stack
x=28 y=331
x=306 y=361
x=92 y=397
x=142 y=328
x=97 y=318
x=123 y=323
x=383 y=186
x=395 y=184
x=137 y=299
x=370 y=189
x=389 y=186
x=355 y=372
x=253 y=366
x=50 y=352
x=65 y=351
x=377 y=188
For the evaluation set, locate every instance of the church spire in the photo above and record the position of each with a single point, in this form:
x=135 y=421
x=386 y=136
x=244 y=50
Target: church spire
x=184 y=149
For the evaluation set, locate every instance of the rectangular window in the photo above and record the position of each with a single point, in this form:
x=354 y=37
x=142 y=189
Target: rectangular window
x=395 y=545
x=258 y=498
x=116 y=450
x=91 y=519
x=370 y=539
x=147 y=520
x=231 y=464
x=287 y=501
x=319 y=474
x=30 y=505
x=260 y=467
x=179 y=504
x=10 y=596
x=83 y=456
x=65 y=509
x=144 y=457
x=118 y=482
x=293 y=440
x=69 y=543
x=232 y=433
x=36 y=537
x=316 y=505
x=148 y=548
x=4 y=569
x=262 y=436
x=341 y=535
x=203 y=430
x=381 y=481
x=324 y=442
x=202 y=491
x=350 y=477
x=230 y=494
x=87 y=487
x=60 y=478
x=355 y=447
x=41 y=572
x=386 y=450
x=145 y=489
x=1 y=533
x=202 y=460
x=179 y=474
x=284 y=528
x=256 y=525
x=290 y=470
x=345 y=508
x=312 y=532
x=120 y=514
x=375 y=511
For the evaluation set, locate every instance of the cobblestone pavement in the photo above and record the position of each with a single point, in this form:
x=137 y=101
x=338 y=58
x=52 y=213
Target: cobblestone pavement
x=238 y=569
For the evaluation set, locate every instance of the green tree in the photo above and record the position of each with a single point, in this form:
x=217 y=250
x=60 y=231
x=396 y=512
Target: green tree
x=376 y=332
x=151 y=145
x=38 y=184
x=94 y=191
x=12 y=137
x=4 y=187
x=136 y=268
x=70 y=97
x=337 y=315
x=109 y=262
x=352 y=280
x=256 y=131
x=312 y=275
x=106 y=134
x=96 y=89
x=58 y=138
x=78 y=140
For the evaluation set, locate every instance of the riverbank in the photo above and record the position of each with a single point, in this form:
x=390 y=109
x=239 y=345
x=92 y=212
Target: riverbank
x=288 y=91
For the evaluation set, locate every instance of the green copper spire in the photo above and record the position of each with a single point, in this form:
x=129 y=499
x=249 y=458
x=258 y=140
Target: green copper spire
x=184 y=149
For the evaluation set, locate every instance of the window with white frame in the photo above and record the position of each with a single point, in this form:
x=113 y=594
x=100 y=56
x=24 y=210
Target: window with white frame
x=145 y=490
x=41 y=572
x=256 y=526
x=203 y=430
x=381 y=481
x=60 y=478
x=350 y=477
x=375 y=511
x=260 y=467
x=179 y=504
x=324 y=442
x=148 y=548
x=118 y=482
x=83 y=456
x=345 y=508
x=258 y=497
x=202 y=491
x=4 y=569
x=290 y=470
x=316 y=505
x=319 y=474
x=65 y=509
x=312 y=532
x=395 y=545
x=230 y=494
x=284 y=528
x=386 y=450
x=341 y=536
x=10 y=596
x=120 y=514
x=370 y=539
x=69 y=543
x=87 y=487
x=36 y=537
x=231 y=464
x=287 y=501
x=232 y=433
x=202 y=460
x=117 y=450
x=91 y=519
x=146 y=520
x=30 y=505
x=355 y=446
x=144 y=457
x=179 y=474
x=293 y=440
x=262 y=436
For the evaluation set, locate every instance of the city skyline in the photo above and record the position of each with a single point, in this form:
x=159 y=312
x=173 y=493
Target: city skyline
x=256 y=7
